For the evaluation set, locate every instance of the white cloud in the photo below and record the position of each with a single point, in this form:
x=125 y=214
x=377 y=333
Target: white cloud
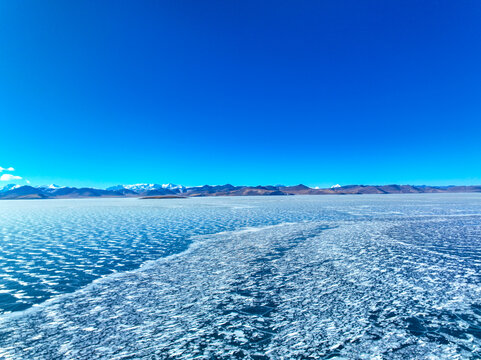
x=7 y=169
x=9 y=177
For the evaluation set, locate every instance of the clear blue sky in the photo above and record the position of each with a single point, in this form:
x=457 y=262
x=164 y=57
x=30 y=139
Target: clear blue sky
x=244 y=92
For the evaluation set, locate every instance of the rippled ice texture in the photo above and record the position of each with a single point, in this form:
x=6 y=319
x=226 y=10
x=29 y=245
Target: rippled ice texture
x=391 y=276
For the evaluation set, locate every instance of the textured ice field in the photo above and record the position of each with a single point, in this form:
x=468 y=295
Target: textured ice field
x=390 y=277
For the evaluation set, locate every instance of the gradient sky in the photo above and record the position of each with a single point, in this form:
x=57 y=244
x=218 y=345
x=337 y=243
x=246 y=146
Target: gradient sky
x=96 y=93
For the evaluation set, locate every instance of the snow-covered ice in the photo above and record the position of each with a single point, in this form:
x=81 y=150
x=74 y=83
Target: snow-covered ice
x=391 y=277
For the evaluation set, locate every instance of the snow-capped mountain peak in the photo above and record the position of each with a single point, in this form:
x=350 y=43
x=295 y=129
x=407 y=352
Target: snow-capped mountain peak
x=9 y=187
x=147 y=187
x=171 y=186
x=50 y=187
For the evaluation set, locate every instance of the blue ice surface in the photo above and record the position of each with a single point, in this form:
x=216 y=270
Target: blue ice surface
x=386 y=276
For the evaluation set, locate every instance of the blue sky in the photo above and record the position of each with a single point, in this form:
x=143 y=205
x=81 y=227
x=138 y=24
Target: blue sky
x=243 y=92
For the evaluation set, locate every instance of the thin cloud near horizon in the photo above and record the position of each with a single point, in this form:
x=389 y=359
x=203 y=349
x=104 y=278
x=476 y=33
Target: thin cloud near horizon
x=9 y=177
x=7 y=169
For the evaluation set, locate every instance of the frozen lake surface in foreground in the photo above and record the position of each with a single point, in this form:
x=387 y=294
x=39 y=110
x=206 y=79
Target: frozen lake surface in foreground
x=303 y=277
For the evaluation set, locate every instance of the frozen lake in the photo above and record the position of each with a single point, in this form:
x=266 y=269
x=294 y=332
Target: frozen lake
x=392 y=276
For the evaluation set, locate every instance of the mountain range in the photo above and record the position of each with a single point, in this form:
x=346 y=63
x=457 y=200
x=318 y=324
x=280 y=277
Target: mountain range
x=12 y=191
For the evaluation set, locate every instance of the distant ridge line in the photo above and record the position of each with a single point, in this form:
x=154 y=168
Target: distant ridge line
x=55 y=192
